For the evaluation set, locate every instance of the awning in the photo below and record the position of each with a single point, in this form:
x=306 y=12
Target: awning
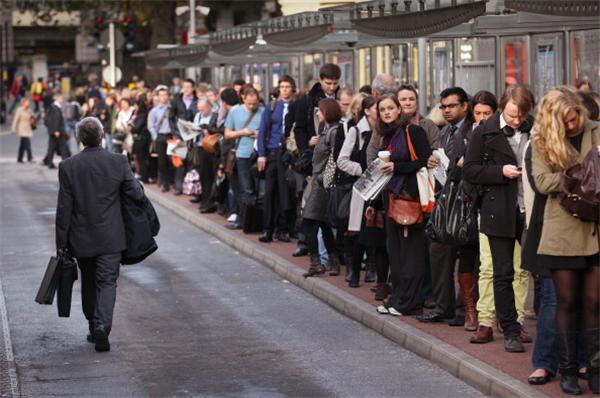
x=572 y=8
x=411 y=24
x=176 y=57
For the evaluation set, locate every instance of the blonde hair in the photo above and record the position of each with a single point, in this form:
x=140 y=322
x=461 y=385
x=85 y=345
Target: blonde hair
x=24 y=100
x=356 y=101
x=550 y=135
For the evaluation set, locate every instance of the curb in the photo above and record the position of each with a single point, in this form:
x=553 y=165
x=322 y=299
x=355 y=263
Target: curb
x=467 y=368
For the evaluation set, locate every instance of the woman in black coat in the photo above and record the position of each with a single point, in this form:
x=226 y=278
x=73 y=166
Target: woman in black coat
x=405 y=244
x=493 y=161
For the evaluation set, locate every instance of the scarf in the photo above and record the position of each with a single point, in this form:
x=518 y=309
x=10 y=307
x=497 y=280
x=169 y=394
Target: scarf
x=394 y=140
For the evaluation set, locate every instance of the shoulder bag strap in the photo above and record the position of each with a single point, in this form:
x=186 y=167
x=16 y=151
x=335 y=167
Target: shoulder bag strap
x=246 y=123
x=411 y=148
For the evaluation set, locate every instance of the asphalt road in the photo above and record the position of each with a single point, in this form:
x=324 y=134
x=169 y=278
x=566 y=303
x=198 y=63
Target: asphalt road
x=197 y=318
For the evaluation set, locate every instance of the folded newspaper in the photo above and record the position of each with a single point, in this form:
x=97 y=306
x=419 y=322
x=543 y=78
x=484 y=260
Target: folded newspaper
x=439 y=171
x=372 y=181
x=178 y=149
x=188 y=130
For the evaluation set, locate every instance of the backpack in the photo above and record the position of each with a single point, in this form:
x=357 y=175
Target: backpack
x=38 y=88
x=191 y=183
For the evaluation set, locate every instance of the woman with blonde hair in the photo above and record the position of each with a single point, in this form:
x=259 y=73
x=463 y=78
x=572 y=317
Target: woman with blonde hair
x=354 y=110
x=22 y=127
x=568 y=246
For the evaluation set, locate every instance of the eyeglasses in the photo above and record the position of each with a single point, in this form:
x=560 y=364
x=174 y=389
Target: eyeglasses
x=449 y=106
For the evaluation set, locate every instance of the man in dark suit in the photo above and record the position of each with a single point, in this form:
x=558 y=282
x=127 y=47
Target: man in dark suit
x=89 y=223
x=454 y=103
x=184 y=107
x=57 y=136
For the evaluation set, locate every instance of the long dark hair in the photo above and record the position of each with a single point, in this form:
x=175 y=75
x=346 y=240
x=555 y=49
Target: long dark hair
x=366 y=103
x=403 y=119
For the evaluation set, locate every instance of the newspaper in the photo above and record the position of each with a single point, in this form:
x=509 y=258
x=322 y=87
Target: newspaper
x=188 y=130
x=372 y=181
x=178 y=149
x=439 y=171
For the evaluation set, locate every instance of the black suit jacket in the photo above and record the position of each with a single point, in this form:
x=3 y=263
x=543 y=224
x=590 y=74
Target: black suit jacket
x=180 y=111
x=304 y=115
x=54 y=120
x=89 y=221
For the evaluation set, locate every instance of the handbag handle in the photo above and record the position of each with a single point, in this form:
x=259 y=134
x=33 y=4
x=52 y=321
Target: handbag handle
x=411 y=148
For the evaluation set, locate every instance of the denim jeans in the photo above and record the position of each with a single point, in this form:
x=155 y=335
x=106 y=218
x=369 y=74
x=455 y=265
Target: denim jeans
x=245 y=182
x=544 y=352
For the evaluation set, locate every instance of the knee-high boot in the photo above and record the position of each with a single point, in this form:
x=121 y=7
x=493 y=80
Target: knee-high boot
x=593 y=354
x=466 y=282
x=566 y=344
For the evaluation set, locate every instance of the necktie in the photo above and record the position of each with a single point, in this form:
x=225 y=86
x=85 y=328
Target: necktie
x=285 y=111
x=450 y=143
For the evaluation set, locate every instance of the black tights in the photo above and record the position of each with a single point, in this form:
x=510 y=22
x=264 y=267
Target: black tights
x=311 y=230
x=577 y=290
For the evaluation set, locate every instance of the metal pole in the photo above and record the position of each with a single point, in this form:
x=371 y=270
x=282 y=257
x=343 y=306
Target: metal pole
x=2 y=47
x=423 y=96
x=192 y=32
x=111 y=55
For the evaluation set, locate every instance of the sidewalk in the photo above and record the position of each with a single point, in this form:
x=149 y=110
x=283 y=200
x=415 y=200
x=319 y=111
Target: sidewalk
x=486 y=367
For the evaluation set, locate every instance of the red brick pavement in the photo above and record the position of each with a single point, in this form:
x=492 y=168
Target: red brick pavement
x=517 y=365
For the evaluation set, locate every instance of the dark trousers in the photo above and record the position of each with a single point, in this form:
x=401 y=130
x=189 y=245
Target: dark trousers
x=99 y=287
x=165 y=168
x=25 y=146
x=407 y=267
x=277 y=202
x=311 y=231
x=544 y=351
x=502 y=250
x=56 y=145
x=207 y=171
x=443 y=260
x=141 y=148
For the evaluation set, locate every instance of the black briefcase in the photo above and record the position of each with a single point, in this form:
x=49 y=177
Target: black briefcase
x=67 y=275
x=45 y=294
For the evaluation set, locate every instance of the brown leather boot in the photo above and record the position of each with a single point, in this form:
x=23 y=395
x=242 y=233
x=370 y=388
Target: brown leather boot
x=334 y=261
x=466 y=282
x=483 y=335
x=316 y=268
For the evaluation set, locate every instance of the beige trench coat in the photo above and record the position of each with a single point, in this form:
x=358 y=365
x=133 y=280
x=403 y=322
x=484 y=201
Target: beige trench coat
x=562 y=233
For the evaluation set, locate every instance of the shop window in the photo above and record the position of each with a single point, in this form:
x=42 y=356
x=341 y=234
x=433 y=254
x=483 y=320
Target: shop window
x=441 y=67
x=548 y=64
x=585 y=56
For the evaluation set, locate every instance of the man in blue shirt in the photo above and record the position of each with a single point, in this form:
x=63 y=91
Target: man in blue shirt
x=160 y=130
x=241 y=125
x=270 y=137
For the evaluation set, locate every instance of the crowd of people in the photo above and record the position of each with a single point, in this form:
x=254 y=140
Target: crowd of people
x=285 y=166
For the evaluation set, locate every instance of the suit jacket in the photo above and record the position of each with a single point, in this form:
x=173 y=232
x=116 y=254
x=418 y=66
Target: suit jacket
x=89 y=221
x=54 y=120
x=305 y=115
x=180 y=111
x=461 y=139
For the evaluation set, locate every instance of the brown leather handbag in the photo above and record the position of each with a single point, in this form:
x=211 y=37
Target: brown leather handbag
x=209 y=143
x=404 y=211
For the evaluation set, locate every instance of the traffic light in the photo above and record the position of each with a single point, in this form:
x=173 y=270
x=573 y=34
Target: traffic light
x=99 y=27
x=129 y=25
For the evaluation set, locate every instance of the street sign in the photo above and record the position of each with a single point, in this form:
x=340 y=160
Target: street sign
x=119 y=38
x=106 y=74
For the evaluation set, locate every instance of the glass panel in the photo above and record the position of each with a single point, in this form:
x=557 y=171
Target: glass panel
x=308 y=69
x=441 y=65
x=400 y=63
x=548 y=69
x=345 y=62
x=585 y=53
x=515 y=61
x=475 y=64
x=364 y=66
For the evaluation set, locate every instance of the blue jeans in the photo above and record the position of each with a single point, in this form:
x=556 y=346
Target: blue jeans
x=544 y=352
x=245 y=182
x=108 y=141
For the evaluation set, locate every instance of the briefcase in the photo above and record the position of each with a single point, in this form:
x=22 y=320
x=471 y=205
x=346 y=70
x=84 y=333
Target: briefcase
x=45 y=294
x=67 y=275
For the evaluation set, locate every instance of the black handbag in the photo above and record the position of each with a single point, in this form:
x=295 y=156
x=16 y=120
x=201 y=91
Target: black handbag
x=461 y=224
x=580 y=186
x=303 y=164
x=339 y=206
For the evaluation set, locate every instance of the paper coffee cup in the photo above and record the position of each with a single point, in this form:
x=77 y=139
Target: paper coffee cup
x=384 y=155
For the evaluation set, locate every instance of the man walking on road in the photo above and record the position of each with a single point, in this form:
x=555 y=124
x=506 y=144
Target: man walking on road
x=89 y=223
x=57 y=140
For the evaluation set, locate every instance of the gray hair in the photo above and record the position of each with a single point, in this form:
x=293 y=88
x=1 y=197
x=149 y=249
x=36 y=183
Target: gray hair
x=204 y=101
x=383 y=83
x=89 y=130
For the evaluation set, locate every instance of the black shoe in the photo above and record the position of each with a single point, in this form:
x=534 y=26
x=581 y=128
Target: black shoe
x=178 y=193
x=101 y=339
x=165 y=189
x=540 y=380
x=266 y=237
x=569 y=383
x=458 y=320
x=51 y=166
x=354 y=283
x=300 y=252
x=195 y=199
x=209 y=210
x=513 y=344
x=283 y=237
x=431 y=318
x=370 y=275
